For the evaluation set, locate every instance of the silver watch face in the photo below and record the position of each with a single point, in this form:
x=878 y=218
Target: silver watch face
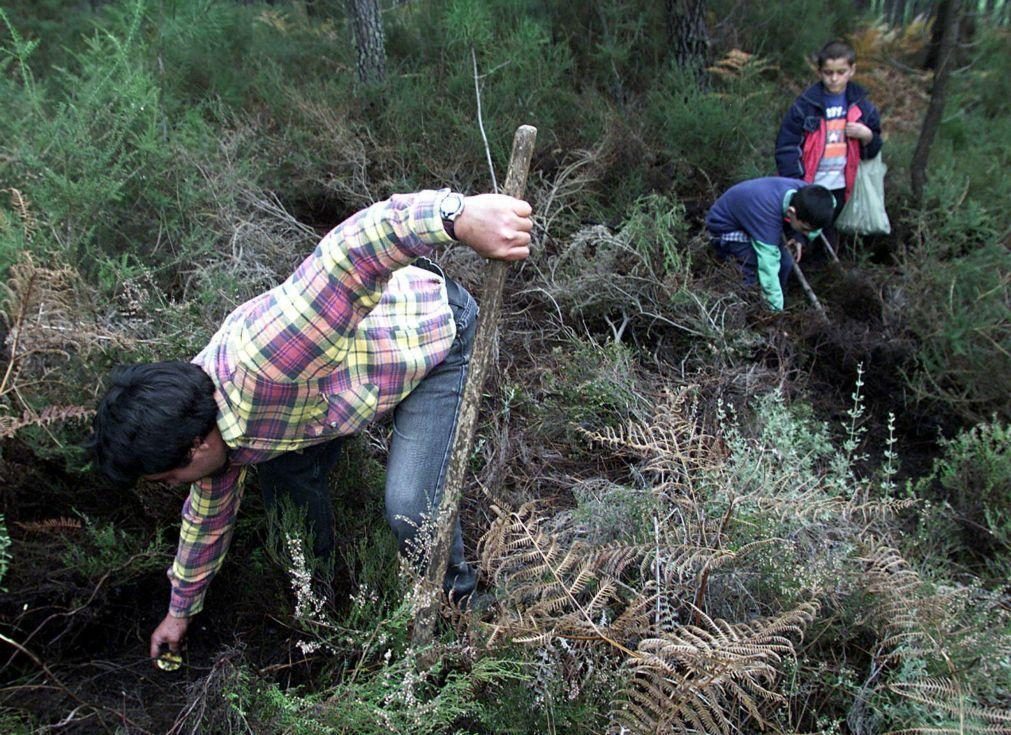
x=451 y=206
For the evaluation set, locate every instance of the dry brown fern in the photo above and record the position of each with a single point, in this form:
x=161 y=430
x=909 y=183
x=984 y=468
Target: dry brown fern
x=48 y=317
x=950 y=697
x=11 y=425
x=811 y=504
x=736 y=64
x=675 y=447
x=709 y=678
x=908 y=616
x=51 y=525
x=29 y=223
x=555 y=590
x=613 y=593
x=48 y=312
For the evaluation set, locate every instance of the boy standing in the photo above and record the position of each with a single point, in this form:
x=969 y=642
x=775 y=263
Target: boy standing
x=749 y=223
x=830 y=127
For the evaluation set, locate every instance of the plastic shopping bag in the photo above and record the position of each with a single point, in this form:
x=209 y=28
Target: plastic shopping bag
x=864 y=212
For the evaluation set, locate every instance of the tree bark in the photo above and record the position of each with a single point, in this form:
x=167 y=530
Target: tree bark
x=370 y=42
x=688 y=36
x=938 y=95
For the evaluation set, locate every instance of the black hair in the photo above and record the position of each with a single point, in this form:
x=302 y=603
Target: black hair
x=149 y=417
x=837 y=50
x=814 y=206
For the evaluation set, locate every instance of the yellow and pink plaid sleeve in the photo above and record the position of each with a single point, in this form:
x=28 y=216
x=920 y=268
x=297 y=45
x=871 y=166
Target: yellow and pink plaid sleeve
x=204 y=536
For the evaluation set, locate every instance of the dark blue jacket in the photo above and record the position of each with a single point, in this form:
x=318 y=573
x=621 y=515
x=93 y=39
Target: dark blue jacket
x=801 y=140
x=757 y=207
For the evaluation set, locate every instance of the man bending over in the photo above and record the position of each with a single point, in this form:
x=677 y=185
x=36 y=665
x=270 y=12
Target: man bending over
x=365 y=326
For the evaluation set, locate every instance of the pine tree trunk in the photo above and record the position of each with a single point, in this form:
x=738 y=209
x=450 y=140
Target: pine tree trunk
x=935 y=109
x=933 y=56
x=370 y=42
x=688 y=36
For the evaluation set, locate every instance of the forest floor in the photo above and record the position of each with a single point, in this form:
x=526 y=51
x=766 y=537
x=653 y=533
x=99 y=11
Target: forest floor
x=83 y=646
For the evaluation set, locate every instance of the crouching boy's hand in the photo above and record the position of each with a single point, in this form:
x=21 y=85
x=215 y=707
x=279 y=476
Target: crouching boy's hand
x=495 y=226
x=798 y=249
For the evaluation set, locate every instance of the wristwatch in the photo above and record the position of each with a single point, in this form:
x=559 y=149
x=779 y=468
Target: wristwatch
x=450 y=207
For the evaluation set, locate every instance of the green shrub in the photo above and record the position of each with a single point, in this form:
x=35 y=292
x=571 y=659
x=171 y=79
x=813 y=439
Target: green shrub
x=656 y=227
x=726 y=133
x=373 y=682
x=588 y=386
x=954 y=293
x=52 y=23
x=14 y=238
x=789 y=32
x=127 y=165
x=525 y=78
x=87 y=144
x=799 y=446
x=387 y=694
x=615 y=46
x=85 y=149
x=958 y=308
x=15 y=723
x=106 y=547
x=635 y=280
x=973 y=475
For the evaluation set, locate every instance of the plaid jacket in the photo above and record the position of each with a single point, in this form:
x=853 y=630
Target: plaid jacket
x=342 y=341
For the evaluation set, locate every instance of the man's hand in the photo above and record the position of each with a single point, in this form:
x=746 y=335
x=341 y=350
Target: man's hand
x=860 y=131
x=495 y=226
x=798 y=250
x=171 y=632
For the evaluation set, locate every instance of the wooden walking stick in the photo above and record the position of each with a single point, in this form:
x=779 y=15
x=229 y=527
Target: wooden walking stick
x=808 y=291
x=807 y=286
x=828 y=247
x=484 y=346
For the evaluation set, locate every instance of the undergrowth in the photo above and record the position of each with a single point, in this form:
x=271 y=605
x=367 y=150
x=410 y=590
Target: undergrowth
x=743 y=540
x=685 y=566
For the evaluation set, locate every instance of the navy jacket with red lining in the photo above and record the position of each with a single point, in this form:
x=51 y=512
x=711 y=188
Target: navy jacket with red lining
x=801 y=140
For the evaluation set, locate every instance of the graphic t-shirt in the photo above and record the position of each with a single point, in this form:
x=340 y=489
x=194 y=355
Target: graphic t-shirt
x=831 y=168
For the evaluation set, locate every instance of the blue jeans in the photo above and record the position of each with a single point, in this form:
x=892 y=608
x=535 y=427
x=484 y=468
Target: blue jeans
x=423 y=428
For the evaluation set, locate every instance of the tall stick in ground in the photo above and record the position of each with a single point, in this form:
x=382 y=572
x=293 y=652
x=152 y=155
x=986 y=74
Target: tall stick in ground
x=484 y=347
x=808 y=291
